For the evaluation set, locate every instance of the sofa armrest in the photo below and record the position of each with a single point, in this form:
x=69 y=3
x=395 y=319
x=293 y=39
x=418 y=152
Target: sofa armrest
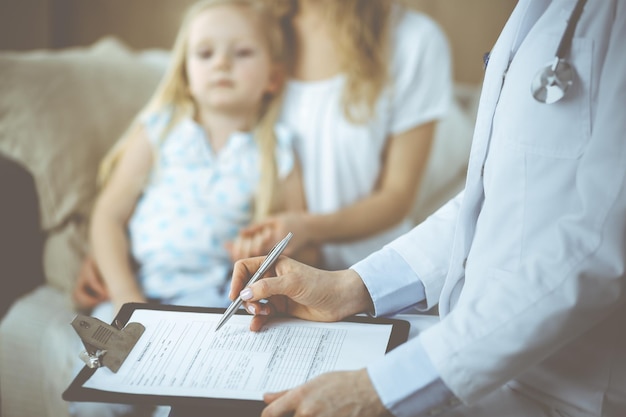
x=38 y=354
x=21 y=238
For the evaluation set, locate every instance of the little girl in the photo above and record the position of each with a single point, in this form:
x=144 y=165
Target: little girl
x=200 y=161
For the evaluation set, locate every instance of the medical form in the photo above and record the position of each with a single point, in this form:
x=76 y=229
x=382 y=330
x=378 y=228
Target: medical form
x=179 y=354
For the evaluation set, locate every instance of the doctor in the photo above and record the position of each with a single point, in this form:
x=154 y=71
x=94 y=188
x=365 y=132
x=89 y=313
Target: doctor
x=527 y=264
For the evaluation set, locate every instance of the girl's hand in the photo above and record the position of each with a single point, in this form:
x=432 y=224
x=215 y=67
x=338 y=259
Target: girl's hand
x=296 y=289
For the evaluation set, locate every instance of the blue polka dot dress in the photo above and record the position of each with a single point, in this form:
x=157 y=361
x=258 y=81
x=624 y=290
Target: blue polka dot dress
x=195 y=202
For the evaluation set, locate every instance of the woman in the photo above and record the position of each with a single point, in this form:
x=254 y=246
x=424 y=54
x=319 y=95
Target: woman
x=368 y=81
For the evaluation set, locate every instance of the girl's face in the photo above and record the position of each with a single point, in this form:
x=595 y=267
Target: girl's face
x=229 y=67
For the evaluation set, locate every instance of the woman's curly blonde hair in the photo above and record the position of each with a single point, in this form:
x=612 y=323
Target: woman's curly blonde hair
x=362 y=34
x=362 y=30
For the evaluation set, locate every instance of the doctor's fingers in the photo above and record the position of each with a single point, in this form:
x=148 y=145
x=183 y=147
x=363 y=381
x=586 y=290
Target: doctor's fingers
x=284 y=403
x=242 y=272
x=258 y=322
x=332 y=394
x=245 y=268
x=288 y=285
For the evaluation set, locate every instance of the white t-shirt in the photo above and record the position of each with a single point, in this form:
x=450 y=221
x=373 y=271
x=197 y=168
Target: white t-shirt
x=342 y=161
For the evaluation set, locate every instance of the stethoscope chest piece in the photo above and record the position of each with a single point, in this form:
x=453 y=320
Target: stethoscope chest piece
x=552 y=81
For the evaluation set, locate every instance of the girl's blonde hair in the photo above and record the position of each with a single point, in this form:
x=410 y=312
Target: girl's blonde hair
x=361 y=29
x=173 y=93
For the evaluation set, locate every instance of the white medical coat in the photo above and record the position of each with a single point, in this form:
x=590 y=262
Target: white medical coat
x=533 y=251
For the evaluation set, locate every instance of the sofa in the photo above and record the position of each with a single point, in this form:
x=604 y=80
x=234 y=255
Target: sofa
x=60 y=111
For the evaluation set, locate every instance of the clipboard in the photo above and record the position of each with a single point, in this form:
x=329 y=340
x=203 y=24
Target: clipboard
x=79 y=391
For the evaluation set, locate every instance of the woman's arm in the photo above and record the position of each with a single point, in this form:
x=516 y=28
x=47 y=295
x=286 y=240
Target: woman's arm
x=112 y=211
x=294 y=201
x=403 y=166
x=259 y=238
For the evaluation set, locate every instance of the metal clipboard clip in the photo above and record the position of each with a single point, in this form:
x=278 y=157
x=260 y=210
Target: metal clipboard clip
x=105 y=344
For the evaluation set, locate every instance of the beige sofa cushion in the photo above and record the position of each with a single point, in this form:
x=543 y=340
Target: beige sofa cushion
x=60 y=111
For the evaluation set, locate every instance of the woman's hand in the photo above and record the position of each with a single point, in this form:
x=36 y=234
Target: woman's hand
x=260 y=238
x=90 y=290
x=334 y=394
x=265 y=233
x=253 y=241
x=293 y=288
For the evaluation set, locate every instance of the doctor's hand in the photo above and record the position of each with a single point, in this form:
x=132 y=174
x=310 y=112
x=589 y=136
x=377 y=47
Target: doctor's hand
x=299 y=290
x=334 y=394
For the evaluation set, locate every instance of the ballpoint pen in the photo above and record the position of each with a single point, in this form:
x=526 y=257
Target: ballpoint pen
x=265 y=265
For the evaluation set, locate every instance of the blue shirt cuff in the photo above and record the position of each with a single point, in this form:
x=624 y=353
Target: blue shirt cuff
x=408 y=384
x=392 y=284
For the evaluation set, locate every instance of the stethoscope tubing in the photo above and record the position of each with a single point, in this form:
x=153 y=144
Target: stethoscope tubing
x=565 y=45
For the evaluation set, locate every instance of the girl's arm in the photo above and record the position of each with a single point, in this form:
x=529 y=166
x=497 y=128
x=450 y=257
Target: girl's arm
x=112 y=211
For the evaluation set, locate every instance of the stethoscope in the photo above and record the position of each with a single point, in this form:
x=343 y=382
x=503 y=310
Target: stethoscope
x=552 y=82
